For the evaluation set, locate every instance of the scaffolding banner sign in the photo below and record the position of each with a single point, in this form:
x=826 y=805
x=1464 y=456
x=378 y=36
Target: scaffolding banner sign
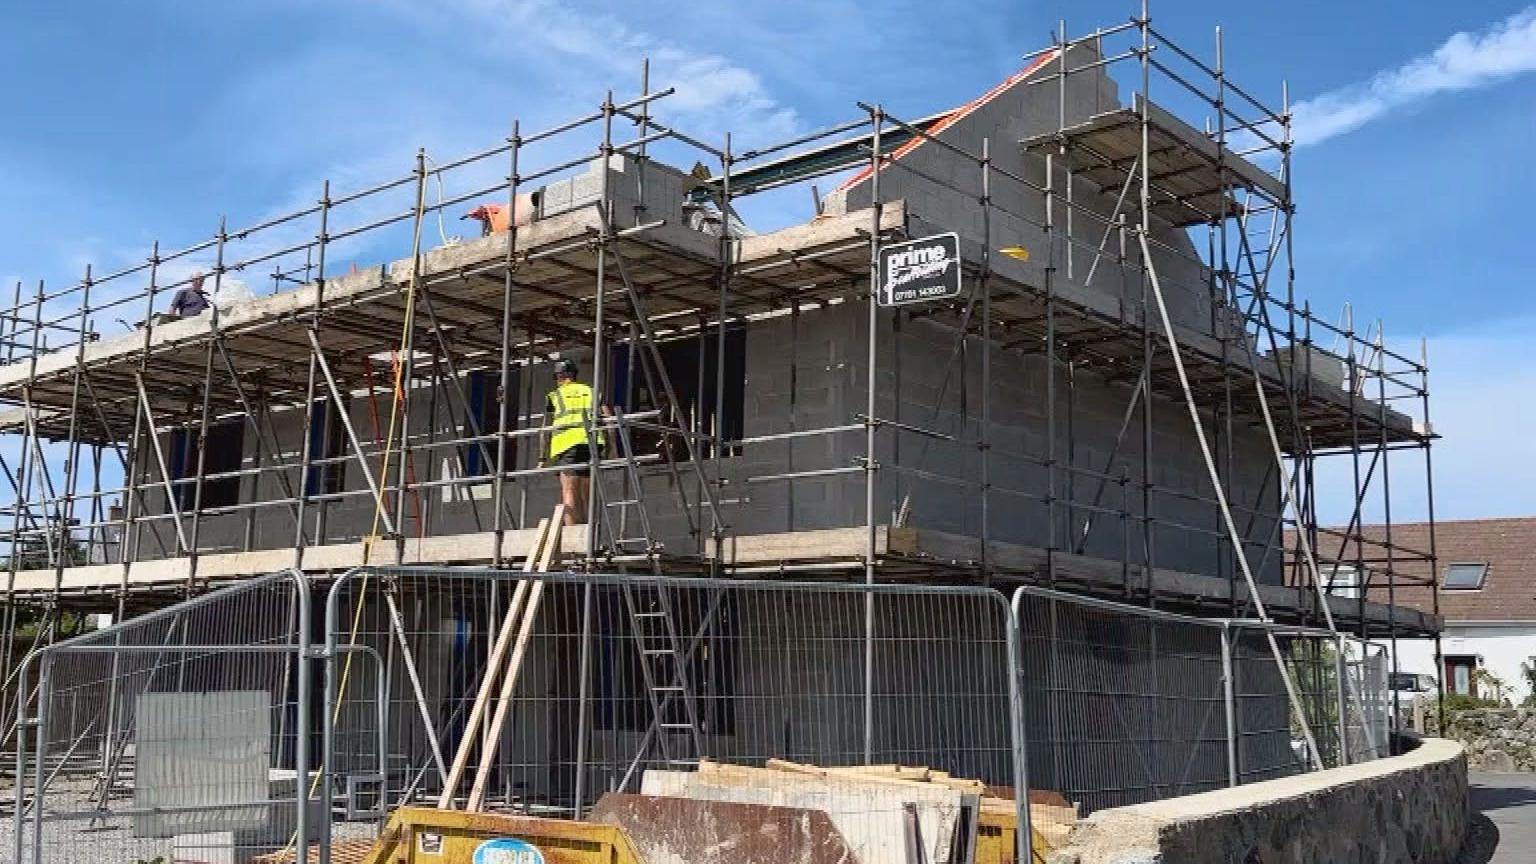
x=920 y=270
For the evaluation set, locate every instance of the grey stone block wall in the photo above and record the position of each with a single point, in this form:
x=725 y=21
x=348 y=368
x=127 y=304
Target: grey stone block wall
x=1405 y=808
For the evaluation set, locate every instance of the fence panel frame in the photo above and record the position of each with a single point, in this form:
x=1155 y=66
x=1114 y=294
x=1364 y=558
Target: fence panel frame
x=44 y=658
x=1346 y=708
x=989 y=597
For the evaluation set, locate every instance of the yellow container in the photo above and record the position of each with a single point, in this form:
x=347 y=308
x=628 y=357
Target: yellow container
x=426 y=835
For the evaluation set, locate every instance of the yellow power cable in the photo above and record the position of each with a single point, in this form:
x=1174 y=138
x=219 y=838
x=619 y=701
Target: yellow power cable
x=389 y=439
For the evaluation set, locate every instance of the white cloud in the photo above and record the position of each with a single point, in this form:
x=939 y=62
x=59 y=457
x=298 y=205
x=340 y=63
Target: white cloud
x=545 y=62
x=1463 y=62
x=590 y=51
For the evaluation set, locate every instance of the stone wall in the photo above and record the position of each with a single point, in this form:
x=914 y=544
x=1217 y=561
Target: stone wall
x=1405 y=808
x=1496 y=739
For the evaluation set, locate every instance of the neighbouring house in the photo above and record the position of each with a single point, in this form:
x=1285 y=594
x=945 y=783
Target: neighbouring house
x=1486 y=573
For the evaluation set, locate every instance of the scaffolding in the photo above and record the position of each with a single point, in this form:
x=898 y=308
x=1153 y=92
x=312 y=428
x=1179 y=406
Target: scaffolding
x=113 y=404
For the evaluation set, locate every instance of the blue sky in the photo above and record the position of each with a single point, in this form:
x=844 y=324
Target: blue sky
x=130 y=122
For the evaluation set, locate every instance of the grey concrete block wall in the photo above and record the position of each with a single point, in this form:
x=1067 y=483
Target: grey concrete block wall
x=942 y=189
x=642 y=190
x=809 y=372
x=924 y=381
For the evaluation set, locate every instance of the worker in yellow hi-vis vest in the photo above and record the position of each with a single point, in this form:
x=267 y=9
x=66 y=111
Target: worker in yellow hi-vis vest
x=569 y=413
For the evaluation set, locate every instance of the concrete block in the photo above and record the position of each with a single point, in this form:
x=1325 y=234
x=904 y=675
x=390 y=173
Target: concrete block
x=556 y=198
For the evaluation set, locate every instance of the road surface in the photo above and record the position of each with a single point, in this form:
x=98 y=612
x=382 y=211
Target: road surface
x=1509 y=801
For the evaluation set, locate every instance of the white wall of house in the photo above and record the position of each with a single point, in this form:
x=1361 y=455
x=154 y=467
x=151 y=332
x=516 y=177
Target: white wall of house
x=1501 y=646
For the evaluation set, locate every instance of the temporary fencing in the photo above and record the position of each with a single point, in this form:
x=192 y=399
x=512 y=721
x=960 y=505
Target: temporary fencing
x=1125 y=704
x=196 y=731
x=178 y=735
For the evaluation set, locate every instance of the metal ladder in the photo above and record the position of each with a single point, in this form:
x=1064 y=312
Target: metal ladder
x=678 y=734
x=633 y=498
x=675 y=728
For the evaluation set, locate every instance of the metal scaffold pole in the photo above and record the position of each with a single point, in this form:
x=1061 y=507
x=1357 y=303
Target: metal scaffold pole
x=504 y=396
x=984 y=439
x=205 y=415
x=877 y=121
x=1174 y=351
x=594 y=458
x=406 y=366
x=311 y=401
x=1434 y=552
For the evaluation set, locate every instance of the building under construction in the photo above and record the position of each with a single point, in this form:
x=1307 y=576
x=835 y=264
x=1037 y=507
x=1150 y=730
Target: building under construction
x=1125 y=396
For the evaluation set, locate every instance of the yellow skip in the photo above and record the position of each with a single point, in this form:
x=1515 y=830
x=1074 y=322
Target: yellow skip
x=427 y=835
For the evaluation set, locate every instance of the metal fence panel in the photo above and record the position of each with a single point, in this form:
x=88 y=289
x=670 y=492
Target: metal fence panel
x=1272 y=735
x=624 y=675
x=1120 y=708
x=1125 y=704
x=1369 y=701
x=189 y=733
x=175 y=736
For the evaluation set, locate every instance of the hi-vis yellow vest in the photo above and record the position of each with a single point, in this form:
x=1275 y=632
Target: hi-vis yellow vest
x=571 y=404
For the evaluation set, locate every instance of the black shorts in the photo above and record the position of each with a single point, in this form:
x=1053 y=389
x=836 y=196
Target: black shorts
x=577 y=460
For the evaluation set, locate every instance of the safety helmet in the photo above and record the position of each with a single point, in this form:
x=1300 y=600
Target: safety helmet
x=565 y=368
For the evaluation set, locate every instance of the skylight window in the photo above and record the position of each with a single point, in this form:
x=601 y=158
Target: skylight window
x=1464 y=577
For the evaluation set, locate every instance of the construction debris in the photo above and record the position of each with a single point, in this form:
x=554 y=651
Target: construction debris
x=738 y=814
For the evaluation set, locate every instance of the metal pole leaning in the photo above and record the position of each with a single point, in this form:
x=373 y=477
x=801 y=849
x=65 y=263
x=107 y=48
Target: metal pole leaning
x=427 y=724
x=1221 y=498
x=406 y=362
x=159 y=452
x=207 y=407
x=346 y=422
x=1434 y=552
x=66 y=510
